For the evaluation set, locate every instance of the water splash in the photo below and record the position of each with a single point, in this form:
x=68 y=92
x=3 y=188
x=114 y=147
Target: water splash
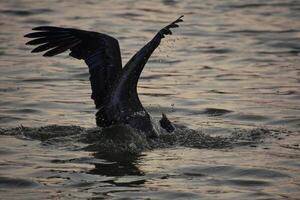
x=121 y=139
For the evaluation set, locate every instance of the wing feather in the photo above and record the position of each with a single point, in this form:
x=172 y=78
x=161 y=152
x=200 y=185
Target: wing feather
x=61 y=48
x=100 y=52
x=49 y=39
x=45 y=34
x=54 y=44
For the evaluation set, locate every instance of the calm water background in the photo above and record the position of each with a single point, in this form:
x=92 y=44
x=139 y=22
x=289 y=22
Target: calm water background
x=231 y=64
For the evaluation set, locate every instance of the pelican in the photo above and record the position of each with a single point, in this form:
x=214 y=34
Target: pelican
x=114 y=88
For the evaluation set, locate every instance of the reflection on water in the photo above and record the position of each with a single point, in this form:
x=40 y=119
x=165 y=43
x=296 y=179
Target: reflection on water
x=120 y=165
x=231 y=65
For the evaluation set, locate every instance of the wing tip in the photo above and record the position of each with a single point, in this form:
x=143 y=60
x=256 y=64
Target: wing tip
x=179 y=19
x=28 y=35
x=47 y=55
x=47 y=28
x=35 y=50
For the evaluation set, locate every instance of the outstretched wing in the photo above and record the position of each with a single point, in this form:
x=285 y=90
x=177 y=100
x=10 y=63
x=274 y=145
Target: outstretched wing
x=125 y=105
x=127 y=83
x=100 y=52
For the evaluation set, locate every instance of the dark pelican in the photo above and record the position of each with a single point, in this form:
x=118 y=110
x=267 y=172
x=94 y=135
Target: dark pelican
x=114 y=89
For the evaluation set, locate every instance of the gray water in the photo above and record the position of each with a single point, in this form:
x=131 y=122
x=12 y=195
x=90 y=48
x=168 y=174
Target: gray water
x=231 y=70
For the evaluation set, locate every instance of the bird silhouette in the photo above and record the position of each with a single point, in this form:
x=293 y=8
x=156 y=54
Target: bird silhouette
x=114 y=89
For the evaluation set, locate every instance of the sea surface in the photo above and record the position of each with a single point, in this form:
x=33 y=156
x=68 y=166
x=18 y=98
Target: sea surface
x=231 y=71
